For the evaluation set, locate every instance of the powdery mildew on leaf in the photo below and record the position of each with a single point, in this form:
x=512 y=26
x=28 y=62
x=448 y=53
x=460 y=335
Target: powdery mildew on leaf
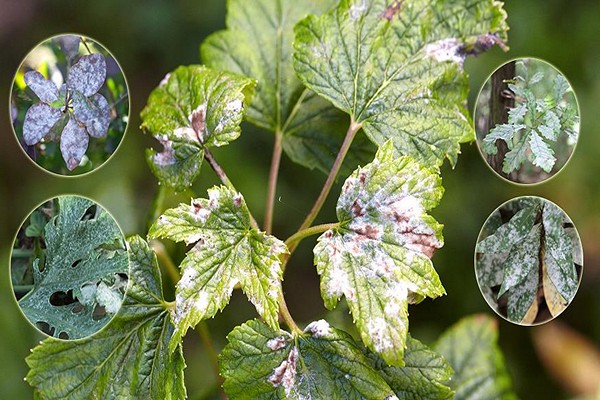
x=327 y=365
x=44 y=89
x=471 y=348
x=39 y=119
x=73 y=143
x=88 y=74
x=193 y=107
x=396 y=68
x=129 y=359
x=75 y=262
x=227 y=251
x=379 y=256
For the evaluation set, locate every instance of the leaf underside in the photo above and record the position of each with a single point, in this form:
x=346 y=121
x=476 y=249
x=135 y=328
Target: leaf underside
x=258 y=44
x=228 y=251
x=379 y=256
x=323 y=363
x=74 y=259
x=471 y=349
x=128 y=359
x=396 y=67
x=193 y=108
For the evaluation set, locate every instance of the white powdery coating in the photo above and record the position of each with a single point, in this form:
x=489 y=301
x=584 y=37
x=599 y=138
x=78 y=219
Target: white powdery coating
x=339 y=284
x=276 y=343
x=231 y=109
x=319 y=328
x=446 y=50
x=199 y=212
x=201 y=301
x=214 y=197
x=188 y=279
x=186 y=133
x=164 y=80
x=285 y=373
x=391 y=398
x=108 y=298
x=377 y=331
x=167 y=156
x=234 y=106
x=357 y=10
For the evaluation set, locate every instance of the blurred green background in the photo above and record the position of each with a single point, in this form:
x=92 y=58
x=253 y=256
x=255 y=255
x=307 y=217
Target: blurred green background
x=149 y=38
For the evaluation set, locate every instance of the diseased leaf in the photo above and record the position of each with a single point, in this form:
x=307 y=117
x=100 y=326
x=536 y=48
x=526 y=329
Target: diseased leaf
x=396 y=68
x=88 y=74
x=194 y=106
x=74 y=141
x=543 y=156
x=93 y=112
x=128 y=359
x=44 y=89
x=558 y=256
x=228 y=251
x=379 y=256
x=421 y=378
x=514 y=158
x=258 y=44
x=322 y=363
x=69 y=44
x=74 y=258
x=514 y=231
x=505 y=132
x=471 y=349
x=39 y=120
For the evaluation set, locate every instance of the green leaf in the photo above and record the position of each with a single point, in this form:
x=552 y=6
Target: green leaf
x=561 y=87
x=514 y=231
x=228 y=251
x=322 y=363
x=396 y=67
x=258 y=44
x=74 y=258
x=193 y=107
x=379 y=256
x=421 y=378
x=517 y=156
x=543 y=156
x=37 y=222
x=128 y=359
x=471 y=348
x=505 y=132
x=559 y=252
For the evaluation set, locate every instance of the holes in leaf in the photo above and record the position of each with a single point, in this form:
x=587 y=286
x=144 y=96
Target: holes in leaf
x=45 y=327
x=99 y=313
x=62 y=299
x=90 y=213
x=77 y=309
x=75 y=264
x=63 y=335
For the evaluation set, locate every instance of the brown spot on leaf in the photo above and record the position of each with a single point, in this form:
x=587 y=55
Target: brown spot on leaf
x=426 y=244
x=362 y=177
x=198 y=121
x=197 y=206
x=370 y=231
x=483 y=43
x=392 y=10
x=357 y=210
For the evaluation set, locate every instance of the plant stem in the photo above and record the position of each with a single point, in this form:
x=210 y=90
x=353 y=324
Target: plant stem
x=223 y=177
x=206 y=339
x=275 y=161
x=335 y=169
x=86 y=45
x=21 y=253
x=287 y=317
x=296 y=238
x=165 y=260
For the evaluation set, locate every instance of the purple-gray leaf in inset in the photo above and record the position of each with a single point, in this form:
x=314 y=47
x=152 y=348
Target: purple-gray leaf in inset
x=73 y=143
x=69 y=45
x=42 y=87
x=39 y=119
x=88 y=74
x=93 y=112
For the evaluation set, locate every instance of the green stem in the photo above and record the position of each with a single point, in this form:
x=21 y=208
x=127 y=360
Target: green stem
x=335 y=169
x=223 y=178
x=272 y=186
x=207 y=341
x=296 y=238
x=287 y=317
x=165 y=260
x=21 y=253
x=86 y=45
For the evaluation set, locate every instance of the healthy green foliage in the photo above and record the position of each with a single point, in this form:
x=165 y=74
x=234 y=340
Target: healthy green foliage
x=396 y=67
x=228 y=251
x=324 y=363
x=537 y=122
x=533 y=238
x=85 y=253
x=471 y=348
x=379 y=256
x=128 y=359
x=74 y=113
x=193 y=108
x=258 y=44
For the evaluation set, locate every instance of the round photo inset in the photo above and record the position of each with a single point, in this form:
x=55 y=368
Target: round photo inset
x=69 y=267
x=527 y=121
x=528 y=260
x=69 y=105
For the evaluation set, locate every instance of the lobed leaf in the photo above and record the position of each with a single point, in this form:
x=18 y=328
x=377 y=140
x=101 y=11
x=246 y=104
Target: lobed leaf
x=543 y=156
x=194 y=107
x=128 y=358
x=74 y=258
x=471 y=348
x=322 y=363
x=379 y=256
x=396 y=67
x=228 y=251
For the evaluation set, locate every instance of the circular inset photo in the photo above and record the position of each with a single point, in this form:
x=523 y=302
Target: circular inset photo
x=69 y=267
x=528 y=260
x=527 y=121
x=69 y=105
